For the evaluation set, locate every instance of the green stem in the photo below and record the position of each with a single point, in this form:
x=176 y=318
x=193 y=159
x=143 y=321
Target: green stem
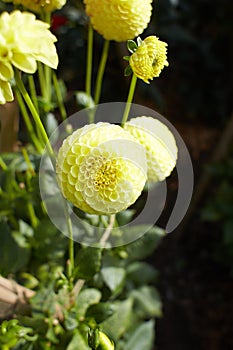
x=101 y=70
x=3 y=164
x=33 y=91
x=48 y=81
x=34 y=113
x=71 y=242
x=27 y=122
x=89 y=59
x=31 y=212
x=59 y=97
x=129 y=99
x=46 y=141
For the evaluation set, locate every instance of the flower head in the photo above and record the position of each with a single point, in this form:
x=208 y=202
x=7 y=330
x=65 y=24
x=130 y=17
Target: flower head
x=24 y=40
x=119 y=20
x=38 y=5
x=160 y=145
x=149 y=58
x=101 y=168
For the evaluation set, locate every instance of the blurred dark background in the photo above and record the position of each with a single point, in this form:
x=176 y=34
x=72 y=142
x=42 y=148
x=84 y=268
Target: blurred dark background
x=195 y=94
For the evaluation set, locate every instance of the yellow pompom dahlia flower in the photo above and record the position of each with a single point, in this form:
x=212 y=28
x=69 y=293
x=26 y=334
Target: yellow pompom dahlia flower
x=101 y=169
x=149 y=58
x=23 y=41
x=160 y=145
x=119 y=20
x=39 y=5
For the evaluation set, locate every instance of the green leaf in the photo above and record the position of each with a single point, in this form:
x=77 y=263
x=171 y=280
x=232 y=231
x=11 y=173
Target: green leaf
x=12 y=256
x=88 y=261
x=78 y=343
x=142 y=338
x=144 y=246
x=131 y=46
x=128 y=71
x=100 y=311
x=113 y=277
x=141 y=273
x=85 y=299
x=119 y=322
x=125 y=216
x=147 y=302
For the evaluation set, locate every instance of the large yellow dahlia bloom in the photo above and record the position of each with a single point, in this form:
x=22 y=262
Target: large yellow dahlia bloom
x=160 y=145
x=23 y=41
x=149 y=58
x=39 y=5
x=119 y=20
x=101 y=168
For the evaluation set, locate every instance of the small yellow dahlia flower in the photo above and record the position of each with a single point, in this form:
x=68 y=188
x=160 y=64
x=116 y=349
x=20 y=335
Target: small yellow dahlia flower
x=149 y=58
x=119 y=20
x=23 y=41
x=160 y=145
x=28 y=40
x=101 y=169
x=38 y=5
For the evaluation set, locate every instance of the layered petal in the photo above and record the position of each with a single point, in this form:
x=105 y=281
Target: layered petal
x=159 y=143
x=149 y=59
x=119 y=20
x=6 y=94
x=101 y=168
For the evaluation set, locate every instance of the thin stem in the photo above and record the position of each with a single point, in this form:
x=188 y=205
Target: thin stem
x=48 y=80
x=28 y=124
x=71 y=241
x=3 y=164
x=59 y=97
x=101 y=70
x=42 y=131
x=32 y=88
x=108 y=230
x=34 y=113
x=77 y=288
x=89 y=59
x=129 y=99
x=31 y=212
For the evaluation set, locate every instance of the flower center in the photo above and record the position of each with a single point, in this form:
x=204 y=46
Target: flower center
x=106 y=175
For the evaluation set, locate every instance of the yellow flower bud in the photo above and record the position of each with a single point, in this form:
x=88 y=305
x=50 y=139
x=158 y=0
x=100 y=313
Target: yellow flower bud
x=160 y=145
x=149 y=58
x=101 y=169
x=119 y=20
x=39 y=5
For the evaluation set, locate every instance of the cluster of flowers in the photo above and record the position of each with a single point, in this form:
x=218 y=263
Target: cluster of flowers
x=25 y=39
x=102 y=168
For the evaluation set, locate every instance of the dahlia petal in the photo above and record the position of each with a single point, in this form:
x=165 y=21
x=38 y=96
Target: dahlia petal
x=6 y=94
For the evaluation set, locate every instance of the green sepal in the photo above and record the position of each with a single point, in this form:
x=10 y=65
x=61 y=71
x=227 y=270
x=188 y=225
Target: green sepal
x=93 y=338
x=128 y=71
x=126 y=58
x=131 y=46
x=139 y=41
